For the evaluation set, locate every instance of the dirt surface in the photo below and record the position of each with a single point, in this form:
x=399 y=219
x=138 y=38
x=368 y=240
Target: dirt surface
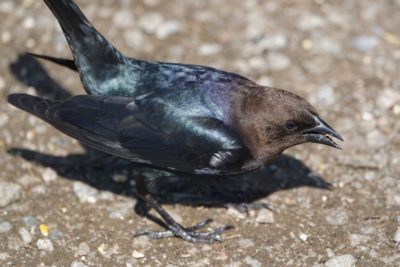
x=62 y=204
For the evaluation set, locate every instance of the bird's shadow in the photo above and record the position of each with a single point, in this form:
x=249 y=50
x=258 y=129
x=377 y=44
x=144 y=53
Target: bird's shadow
x=96 y=169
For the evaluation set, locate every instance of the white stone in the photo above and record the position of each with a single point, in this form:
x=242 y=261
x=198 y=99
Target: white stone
x=49 y=175
x=310 y=21
x=45 y=244
x=133 y=39
x=365 y=43
x=5 y=227
x=123 y=19
x=396 y=236
x=337 y=217
x=388 y=98
x=278 y=61
x=168 y=29
x=209 y=49
x=9 y=192
x=150 y=22
x=265 y=216
x=345 y=260
x=85 y=193
x=78 y=264
x=137 y=254
x=25 y=235
x=245 y=243
x=252 y=262
x=28 y=23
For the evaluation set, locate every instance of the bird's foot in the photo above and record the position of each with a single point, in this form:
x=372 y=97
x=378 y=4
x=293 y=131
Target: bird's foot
x=190 y=234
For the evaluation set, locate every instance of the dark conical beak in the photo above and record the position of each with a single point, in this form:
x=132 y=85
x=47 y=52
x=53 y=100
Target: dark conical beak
x=322 y=133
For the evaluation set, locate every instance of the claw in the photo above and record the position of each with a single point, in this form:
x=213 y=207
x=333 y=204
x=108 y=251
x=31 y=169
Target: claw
x=190 y=233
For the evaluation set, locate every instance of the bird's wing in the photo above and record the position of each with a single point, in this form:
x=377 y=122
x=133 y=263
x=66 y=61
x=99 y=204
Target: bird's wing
x=140 y=132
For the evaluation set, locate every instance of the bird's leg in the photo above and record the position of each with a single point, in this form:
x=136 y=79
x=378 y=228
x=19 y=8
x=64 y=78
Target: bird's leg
x=175 y=229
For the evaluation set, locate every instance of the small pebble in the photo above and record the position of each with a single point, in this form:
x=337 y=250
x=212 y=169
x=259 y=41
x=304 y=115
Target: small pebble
x=278 y=61
x=25 y=235
x=387 y=98
x=78 y=264
x=141 y=242
x=28 y=23
x=4 y=118
x=137 y=255
x=265 y=216
x=85 y=193
x=83 y=249
x=396 y=236
x=208 y=49
x=45 y=244
x=150 y=22
x=252 y=262
x=365 y=43
x=271 y=42
x=337 y=217
x=326 y=95
x=56 y=234
x=234 y=212
x=49 y=175
x=167 y=29
x=245 y=243
x=134 y=39
x=151 y=3
x=4 y=256
x=102 y=248
x=5 y=227
x=30 y=221
x=303 y=237
x=9 y=192
x=2 y=83
x=310 y=21
x=6 y=6
x=376 y=139
x=5 y=37
x=345 y=260
x=221 y=256
x=356 y=239
x=123 y=18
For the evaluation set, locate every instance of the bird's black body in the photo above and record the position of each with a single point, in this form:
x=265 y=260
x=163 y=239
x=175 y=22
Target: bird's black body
x=154 y=130
x=106 y=71
x=176 y=117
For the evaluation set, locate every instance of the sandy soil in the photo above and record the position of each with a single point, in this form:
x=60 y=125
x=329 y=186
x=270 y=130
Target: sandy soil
x=62 y=204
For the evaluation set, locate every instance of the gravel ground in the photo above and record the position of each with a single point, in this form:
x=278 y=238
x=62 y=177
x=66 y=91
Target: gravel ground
x=62 y=204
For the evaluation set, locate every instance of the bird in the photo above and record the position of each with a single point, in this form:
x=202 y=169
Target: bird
x=180 y=118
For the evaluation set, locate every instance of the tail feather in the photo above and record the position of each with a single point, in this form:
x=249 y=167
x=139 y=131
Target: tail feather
x=68 y=63
x=90 y=49
x=68 y=15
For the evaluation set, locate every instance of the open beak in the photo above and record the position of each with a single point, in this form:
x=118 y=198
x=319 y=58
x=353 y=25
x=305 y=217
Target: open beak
x=322 y=133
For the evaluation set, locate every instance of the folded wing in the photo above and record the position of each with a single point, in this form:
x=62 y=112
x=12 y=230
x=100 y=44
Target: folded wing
x=143 y=131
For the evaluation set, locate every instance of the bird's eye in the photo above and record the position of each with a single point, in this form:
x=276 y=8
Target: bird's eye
x=291 y=125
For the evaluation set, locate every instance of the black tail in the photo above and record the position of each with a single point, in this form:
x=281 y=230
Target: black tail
x=68 y=63
x=90 y=49
x=70 y=17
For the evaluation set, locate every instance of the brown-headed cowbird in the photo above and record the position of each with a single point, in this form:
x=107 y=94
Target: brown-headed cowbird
x=181 y=118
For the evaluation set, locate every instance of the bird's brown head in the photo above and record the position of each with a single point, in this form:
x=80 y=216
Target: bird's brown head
x=271 y=120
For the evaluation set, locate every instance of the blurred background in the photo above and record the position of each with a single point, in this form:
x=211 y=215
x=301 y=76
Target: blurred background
x=65 y=205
